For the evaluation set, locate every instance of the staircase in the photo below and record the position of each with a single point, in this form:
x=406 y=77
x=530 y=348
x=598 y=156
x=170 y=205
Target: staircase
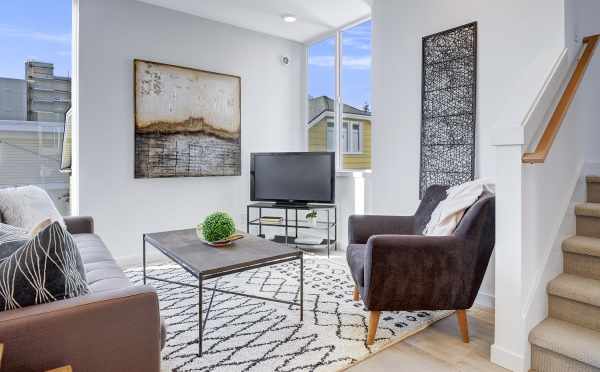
x=569 y=339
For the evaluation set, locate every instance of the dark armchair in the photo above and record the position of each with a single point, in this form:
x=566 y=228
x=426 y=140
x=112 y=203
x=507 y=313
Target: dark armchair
x=396 y=268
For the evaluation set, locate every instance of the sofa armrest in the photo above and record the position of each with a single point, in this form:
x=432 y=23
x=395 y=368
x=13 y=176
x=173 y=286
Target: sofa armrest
x=107 y=331
x=417 y=273
x=79 y=224
x=361 y=228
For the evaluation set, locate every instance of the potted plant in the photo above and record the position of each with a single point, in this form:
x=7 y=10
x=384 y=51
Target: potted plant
x=218 y=228
x=311 y=217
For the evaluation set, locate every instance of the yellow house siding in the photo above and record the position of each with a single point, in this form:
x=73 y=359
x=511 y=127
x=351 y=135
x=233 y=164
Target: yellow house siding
x=317 y=141
x=317 y=137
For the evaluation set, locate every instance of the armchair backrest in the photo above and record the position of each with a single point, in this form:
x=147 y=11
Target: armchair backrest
x=433 y=196
x=477 y=228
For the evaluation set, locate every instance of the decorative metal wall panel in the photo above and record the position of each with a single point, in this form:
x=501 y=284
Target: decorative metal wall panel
x=448 y=117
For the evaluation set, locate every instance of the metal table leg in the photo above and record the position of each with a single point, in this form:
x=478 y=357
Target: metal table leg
x=259 y=221
x=144 y=256
x=335 y=238
x=200 y=325
x=286 y=226
x=301 y=287
x=296 y=234
x=247 y=219
x=328 y=234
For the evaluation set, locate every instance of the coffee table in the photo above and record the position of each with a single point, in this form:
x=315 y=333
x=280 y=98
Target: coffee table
x=205 y=262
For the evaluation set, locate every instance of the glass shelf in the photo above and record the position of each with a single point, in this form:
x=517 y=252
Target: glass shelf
x=292 y=224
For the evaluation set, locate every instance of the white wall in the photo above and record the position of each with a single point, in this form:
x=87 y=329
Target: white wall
x=519 y=41
x=114 y=32
x=587 y=22
x=513 y=35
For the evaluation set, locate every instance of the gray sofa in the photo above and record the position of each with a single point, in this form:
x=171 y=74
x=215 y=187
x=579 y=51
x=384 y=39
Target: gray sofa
x=116 y=327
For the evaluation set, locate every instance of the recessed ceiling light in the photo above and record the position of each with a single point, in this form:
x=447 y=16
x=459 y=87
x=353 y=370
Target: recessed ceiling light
x=289 y=18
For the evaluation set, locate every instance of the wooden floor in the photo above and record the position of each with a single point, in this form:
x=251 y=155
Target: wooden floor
x=439 y=348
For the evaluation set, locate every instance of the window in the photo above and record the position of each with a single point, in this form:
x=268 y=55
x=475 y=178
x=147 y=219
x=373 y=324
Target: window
x=330 y=136
x=35 y=95
x=339 y=89
x=352 y=137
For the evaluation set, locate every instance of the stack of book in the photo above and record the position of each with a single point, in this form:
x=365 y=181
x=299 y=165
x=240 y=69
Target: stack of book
x=271 y=220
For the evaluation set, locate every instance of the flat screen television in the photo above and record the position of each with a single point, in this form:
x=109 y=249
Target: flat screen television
x=293 y=177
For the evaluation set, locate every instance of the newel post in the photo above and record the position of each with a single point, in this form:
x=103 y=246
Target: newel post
x=510 y=338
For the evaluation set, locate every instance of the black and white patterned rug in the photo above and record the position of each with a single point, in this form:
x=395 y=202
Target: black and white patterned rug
x=245 y=334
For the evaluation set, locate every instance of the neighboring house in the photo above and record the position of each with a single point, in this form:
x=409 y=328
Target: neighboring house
x=41 y=96
x=30 y=153
x=13 y=99
x=355 y=133
x=48 y=96
x=32 y=116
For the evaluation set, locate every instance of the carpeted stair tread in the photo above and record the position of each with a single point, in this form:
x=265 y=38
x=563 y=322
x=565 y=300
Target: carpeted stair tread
x=588 y=209
x=584 y=245
x=592 y=179
x=576 y=288
x=567 y=339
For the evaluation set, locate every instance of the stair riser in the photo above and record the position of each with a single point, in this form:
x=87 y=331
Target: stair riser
x=578 y=313
x=593 y=192
x=582 y=265
x=543 y=360
x=588 y=226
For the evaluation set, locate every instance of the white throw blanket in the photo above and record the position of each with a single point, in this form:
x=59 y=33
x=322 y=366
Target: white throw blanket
x=450 y=211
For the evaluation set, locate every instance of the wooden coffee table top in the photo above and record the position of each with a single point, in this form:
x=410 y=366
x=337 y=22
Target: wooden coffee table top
x=184 y=247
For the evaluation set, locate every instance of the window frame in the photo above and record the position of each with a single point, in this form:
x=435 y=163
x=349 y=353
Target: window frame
x=338 y=115
x=351 y=124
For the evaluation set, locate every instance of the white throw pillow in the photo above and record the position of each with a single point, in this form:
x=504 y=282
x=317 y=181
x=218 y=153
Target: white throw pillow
x=27 y=206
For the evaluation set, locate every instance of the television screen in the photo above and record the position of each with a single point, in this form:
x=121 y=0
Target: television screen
x=293 y=177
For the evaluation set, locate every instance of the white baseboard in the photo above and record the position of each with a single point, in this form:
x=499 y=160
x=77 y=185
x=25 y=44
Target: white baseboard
x=507 y=359
x=485 y=300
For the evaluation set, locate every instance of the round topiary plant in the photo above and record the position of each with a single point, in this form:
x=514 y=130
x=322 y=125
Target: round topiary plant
x=217 y=226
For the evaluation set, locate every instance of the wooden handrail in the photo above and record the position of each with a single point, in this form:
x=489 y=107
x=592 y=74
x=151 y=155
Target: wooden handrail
x=543 y=147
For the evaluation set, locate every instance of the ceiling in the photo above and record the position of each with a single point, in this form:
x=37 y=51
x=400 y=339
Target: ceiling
x=315 y=17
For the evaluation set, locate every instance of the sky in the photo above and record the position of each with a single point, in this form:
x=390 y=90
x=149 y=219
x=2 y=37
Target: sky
x=35 y=29
x=356 y=66
x=41 y=30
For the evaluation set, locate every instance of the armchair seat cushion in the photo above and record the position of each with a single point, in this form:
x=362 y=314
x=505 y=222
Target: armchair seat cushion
x=355 y=254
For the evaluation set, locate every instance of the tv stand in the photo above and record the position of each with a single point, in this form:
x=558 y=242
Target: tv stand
x=294 y=224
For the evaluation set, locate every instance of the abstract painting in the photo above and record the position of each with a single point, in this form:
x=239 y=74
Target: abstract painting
x=187 y=122
x=448 y=115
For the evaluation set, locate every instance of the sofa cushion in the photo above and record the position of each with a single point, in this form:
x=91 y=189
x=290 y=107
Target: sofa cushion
x=46 y=268
x=102 y=271
x=26 y=206
x=355 y=254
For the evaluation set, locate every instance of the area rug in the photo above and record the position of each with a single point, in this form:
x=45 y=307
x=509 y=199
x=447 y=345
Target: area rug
x=245 y=334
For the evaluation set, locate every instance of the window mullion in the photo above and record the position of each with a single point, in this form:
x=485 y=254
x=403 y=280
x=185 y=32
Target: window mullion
x=339 y=110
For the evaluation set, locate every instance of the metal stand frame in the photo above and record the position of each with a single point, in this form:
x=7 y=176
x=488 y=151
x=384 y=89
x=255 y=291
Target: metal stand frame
x=202 y=319
x=331 y=224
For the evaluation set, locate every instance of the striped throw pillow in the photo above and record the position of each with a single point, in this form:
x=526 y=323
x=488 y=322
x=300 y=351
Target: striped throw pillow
x=46 y=268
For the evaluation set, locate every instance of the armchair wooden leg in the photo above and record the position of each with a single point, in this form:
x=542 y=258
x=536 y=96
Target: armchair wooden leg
x=463 y=325
x=373 y=322
x=356 y=294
